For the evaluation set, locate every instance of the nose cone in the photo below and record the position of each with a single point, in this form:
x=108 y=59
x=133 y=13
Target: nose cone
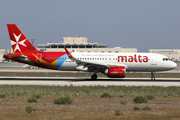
x=173 y=65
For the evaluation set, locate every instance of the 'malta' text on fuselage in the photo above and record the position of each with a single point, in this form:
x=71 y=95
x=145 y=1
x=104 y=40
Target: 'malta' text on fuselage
x=134 y=58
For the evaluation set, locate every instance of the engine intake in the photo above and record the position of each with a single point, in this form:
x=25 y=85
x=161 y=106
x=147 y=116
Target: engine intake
x=116 y=72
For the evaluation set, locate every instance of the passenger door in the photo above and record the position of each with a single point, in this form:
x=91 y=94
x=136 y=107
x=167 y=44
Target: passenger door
x=153 y=60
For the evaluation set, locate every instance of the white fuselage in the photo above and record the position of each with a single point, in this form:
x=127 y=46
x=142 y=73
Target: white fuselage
x=132 y=61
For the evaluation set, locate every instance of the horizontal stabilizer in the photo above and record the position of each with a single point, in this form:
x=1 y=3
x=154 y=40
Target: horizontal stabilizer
x=22 y=57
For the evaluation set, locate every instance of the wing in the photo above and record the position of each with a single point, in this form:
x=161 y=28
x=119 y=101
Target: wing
x=91 y=65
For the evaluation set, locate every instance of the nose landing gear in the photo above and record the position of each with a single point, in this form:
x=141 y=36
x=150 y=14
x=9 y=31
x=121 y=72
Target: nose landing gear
x=152 y=76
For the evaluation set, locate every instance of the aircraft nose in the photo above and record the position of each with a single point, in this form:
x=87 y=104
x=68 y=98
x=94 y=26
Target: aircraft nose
x=173 y=65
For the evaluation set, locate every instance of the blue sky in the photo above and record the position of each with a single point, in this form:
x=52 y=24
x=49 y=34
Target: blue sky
x=141 y=24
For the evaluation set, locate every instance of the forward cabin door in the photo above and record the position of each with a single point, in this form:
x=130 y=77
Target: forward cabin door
x=39 y=58
x=153 y=60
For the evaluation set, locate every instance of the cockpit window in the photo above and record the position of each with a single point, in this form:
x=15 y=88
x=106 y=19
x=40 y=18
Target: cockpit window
x=166 y=59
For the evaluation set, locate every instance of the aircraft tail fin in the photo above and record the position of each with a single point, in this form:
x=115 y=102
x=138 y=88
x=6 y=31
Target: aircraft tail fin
x=20 y=44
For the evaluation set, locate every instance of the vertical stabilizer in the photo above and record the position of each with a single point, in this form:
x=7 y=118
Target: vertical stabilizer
x=20 y=44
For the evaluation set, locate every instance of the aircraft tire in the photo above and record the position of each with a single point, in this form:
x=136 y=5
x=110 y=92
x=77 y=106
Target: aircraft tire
x=153 y=78
x=93 y=77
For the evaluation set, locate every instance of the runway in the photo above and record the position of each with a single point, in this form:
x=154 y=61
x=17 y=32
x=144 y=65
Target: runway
x=165 y=82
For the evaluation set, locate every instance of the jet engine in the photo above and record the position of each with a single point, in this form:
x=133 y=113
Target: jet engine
x=116 y=72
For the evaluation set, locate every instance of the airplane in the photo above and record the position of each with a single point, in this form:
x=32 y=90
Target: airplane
x=114 y=65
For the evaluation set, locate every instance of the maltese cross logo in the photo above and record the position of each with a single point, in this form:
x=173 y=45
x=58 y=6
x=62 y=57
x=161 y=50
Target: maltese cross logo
x=17 y=43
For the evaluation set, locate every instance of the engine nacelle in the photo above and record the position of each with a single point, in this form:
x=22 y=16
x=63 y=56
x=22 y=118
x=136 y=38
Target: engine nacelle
x=116 y=72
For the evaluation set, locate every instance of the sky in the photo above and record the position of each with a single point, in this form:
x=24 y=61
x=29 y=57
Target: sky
x=141 y=24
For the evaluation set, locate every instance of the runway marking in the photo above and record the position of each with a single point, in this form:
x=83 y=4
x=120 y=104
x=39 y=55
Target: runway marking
x=87 y=82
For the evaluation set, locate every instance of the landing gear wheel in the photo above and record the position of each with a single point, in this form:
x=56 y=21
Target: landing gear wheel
x=94 y=77
x=153 y=78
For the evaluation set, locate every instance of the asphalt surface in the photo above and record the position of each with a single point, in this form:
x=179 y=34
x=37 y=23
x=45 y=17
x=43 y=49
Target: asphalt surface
x=86 y=81
x=13 y=66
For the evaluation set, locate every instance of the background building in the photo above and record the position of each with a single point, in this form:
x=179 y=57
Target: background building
x=2 y=52
x=81 y=44
x=171 y=53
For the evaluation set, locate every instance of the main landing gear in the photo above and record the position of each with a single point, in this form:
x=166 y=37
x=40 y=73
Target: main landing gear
x=152 y=76
x=94 y=77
